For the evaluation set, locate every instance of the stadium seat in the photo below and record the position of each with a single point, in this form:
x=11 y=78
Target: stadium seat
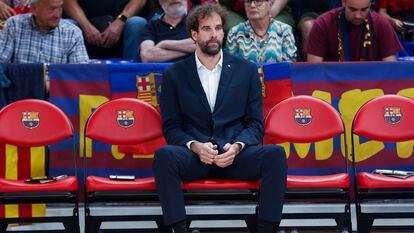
x=140 y=124
x=388 y=118
x=124 y=122
x=305 y=119
x=35 y=123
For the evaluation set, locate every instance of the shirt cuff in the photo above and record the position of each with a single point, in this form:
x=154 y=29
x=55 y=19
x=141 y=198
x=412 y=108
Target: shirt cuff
x=242 y=144
x=189 y=144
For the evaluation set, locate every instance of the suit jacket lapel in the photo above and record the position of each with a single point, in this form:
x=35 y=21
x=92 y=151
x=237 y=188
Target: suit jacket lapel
x=194 y=80
x=225 y=79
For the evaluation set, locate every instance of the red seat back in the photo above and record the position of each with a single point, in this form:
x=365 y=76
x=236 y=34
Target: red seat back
x=303 y=119
x=33 y=122
x=124 y=121
x=389 y=118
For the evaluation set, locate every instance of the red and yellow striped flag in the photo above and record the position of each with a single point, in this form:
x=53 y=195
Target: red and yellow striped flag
x=21 y=163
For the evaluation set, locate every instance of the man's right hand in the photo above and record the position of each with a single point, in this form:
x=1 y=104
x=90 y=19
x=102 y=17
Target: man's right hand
x=397 y=24
x=205 y=151
x=93 y=36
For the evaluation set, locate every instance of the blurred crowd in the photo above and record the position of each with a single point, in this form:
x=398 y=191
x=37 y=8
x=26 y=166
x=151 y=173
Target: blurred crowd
x=155 y=30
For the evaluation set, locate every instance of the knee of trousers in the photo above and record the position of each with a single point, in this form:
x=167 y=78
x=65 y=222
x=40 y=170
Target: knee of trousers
x=275 y=155
x=163 y=158
x=134 y=25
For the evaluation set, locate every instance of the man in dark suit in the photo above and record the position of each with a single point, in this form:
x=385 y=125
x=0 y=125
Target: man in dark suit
x=211 y=105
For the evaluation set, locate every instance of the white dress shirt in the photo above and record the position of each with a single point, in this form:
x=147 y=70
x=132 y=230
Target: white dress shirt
x=210 y=79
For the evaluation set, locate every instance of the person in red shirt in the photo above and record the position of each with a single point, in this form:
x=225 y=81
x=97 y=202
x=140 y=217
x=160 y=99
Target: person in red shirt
x=398 y=11
x=353 y=32
x=9 y=8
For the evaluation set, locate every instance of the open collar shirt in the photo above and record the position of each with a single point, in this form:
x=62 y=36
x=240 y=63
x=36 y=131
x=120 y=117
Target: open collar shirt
x=210 y=79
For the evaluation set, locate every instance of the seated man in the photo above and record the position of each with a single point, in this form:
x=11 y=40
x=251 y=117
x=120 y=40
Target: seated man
x=309 y=11
x=166 y=39
x=211 y=107
x=42 y=37
x=110 y=27
x=353 y=32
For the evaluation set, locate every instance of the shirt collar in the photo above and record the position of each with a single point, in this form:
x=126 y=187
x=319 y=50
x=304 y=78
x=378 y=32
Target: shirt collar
x=218 y=65
x=183 y=20
x=250 y=30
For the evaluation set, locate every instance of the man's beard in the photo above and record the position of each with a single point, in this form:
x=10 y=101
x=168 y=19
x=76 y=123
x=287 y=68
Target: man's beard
x=175 y=12
x=210 y=50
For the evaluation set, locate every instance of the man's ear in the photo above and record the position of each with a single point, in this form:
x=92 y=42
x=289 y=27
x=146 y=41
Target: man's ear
x=194 y=35
x=343 y=3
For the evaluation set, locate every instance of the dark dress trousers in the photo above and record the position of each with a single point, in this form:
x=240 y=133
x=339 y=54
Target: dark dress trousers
x=237 y=117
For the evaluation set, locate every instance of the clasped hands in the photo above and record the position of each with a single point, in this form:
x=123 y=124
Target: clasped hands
x=106 y=39
x=208 y=153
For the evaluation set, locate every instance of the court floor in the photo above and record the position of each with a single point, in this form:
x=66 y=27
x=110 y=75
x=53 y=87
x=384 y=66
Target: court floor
x=217 y=226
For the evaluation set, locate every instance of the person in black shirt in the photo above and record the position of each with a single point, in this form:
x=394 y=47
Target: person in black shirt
x=166 y=39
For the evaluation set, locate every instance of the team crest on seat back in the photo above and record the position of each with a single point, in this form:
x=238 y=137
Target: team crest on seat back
x=303 y=116
x=392 y=115
x=125 y=118
x=30 y=119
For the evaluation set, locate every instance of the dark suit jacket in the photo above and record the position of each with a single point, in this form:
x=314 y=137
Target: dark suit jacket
x=237 y=115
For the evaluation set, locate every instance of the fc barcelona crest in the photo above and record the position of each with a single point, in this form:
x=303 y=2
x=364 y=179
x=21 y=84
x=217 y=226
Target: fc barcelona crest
x=30 y=120
x=147 y=88
x=392 y=115
x=303 y=116
x=125 y=118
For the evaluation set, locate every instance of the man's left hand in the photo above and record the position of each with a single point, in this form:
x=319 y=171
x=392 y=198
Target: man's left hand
x=112 y=33
x=227 y=158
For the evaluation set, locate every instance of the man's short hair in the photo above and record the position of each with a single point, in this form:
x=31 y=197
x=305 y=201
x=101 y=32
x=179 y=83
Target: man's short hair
x=199 y=12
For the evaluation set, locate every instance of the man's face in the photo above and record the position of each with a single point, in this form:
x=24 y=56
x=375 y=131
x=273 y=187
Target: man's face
x=174 y=8
x=210 y=34
x=356 y=11
x=47 y=13
x=257 y=9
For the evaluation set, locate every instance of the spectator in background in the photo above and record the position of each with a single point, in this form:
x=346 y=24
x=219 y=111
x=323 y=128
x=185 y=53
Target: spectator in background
x=8 y=8
x=352 y=33
x=42 y=37
x=278 y=9
x=308 y=12
x=261 y=38
x=398 y=11
x=110 y=27
x=6 y=11
x=167 y=39
x=13 y=7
